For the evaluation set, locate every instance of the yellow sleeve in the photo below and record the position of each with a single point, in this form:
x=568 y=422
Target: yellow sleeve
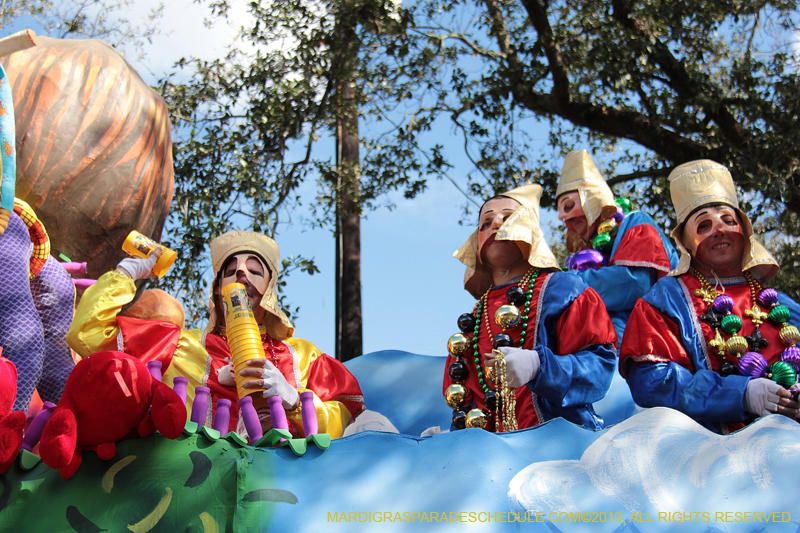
x=332 y=416
x=94 y=327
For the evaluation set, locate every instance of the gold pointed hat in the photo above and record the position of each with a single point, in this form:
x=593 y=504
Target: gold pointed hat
x=698 y=183
x=277 y=323
x=580 y=174
x=522 y=226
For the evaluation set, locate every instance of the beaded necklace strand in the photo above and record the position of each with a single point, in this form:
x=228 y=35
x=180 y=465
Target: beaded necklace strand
x=719 y=315
x=459 y=346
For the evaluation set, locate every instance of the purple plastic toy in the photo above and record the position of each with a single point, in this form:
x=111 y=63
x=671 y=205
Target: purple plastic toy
x=250 y=417
x=155 y=370
x=222 y=417
x=200 y=405
x=34 y=432
x=74 y=268
x=179 y=385
x=309 y=412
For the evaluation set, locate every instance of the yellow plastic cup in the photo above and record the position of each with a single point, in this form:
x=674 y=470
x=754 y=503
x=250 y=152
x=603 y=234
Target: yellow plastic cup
x=246 y=342
x=242 y=329
x=137 y=245
x=240 y=346
x=243 y=334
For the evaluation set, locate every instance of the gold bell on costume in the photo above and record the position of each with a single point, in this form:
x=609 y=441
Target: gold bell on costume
x=458 y=344
x=507 y=316
x=491 y=374
x=704 y=182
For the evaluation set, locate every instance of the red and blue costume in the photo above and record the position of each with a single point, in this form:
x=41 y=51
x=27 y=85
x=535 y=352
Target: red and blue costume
x=576 y=343
x=640 y=256
x=667 y=361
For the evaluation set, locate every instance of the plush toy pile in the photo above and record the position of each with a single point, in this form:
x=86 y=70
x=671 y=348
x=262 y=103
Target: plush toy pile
x=109 y=396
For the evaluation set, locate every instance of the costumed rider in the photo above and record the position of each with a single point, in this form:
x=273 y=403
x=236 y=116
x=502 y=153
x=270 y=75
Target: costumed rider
x=618 y=252
x=634 y=253
x=292 y=365
x=710 y=340
x=539 y=343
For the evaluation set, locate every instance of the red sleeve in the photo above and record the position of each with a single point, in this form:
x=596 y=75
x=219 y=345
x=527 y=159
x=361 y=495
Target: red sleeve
x=641 y=246
x=330 y=380
x=652 y=337
x=585 y=322
x=149 y=340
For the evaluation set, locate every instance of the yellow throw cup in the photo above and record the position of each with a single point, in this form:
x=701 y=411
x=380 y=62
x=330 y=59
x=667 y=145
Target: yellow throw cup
x=245 y=344
x=137 y=245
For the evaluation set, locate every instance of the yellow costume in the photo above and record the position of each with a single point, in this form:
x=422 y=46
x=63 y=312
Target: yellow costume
x=199 y=355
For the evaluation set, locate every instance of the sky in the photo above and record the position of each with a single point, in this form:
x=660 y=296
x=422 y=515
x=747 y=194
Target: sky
x=412 y=287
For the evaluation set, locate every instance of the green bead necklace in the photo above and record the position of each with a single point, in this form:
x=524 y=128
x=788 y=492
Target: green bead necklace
x=527 y=283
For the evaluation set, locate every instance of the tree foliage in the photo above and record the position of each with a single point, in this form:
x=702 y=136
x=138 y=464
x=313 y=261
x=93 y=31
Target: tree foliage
x=256 y=123
x=644 y=84
x=107 y=20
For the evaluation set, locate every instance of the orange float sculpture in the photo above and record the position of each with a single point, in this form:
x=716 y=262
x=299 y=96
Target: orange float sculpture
x=94 y=148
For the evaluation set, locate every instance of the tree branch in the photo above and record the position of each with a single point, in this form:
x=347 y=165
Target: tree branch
x=500 y=31
x=680 y=80
x=652 y=173
x=538 y=16
x=615 y=122
x=478 y=50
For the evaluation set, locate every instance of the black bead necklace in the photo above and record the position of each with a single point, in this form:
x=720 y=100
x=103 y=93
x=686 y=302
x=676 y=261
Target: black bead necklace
x=515 y=296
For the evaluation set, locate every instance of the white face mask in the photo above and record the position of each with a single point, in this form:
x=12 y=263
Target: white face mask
x=246 y=268
x=570 y=212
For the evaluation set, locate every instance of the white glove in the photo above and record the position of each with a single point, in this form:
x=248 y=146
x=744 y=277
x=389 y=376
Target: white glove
x=225 y=376
x=138 y=268
x=521 y=365
x=761 y=397
x=271 y=379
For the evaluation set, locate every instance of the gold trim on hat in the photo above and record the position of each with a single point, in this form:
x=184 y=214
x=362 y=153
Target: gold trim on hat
x=521 y=226
x=276 y=322
x=698 y=183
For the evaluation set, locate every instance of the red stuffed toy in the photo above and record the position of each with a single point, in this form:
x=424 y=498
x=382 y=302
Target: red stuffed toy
x=11 y=423
x=109 y=396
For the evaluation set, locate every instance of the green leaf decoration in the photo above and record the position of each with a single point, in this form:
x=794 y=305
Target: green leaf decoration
x=272 y=437
x=28 y=460
x=320 y=440
x=201 y=467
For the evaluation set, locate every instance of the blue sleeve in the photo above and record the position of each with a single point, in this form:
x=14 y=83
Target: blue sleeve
x=618 y=286
x=571 y=380
x=705 y=395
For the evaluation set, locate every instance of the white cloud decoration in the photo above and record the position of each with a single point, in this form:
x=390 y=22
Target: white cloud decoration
x=663 y=466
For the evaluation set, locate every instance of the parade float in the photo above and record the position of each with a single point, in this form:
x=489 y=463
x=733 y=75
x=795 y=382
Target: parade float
x=657 y=470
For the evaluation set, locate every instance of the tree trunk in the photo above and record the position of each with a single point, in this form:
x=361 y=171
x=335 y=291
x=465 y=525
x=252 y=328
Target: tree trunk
x=349 y=343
